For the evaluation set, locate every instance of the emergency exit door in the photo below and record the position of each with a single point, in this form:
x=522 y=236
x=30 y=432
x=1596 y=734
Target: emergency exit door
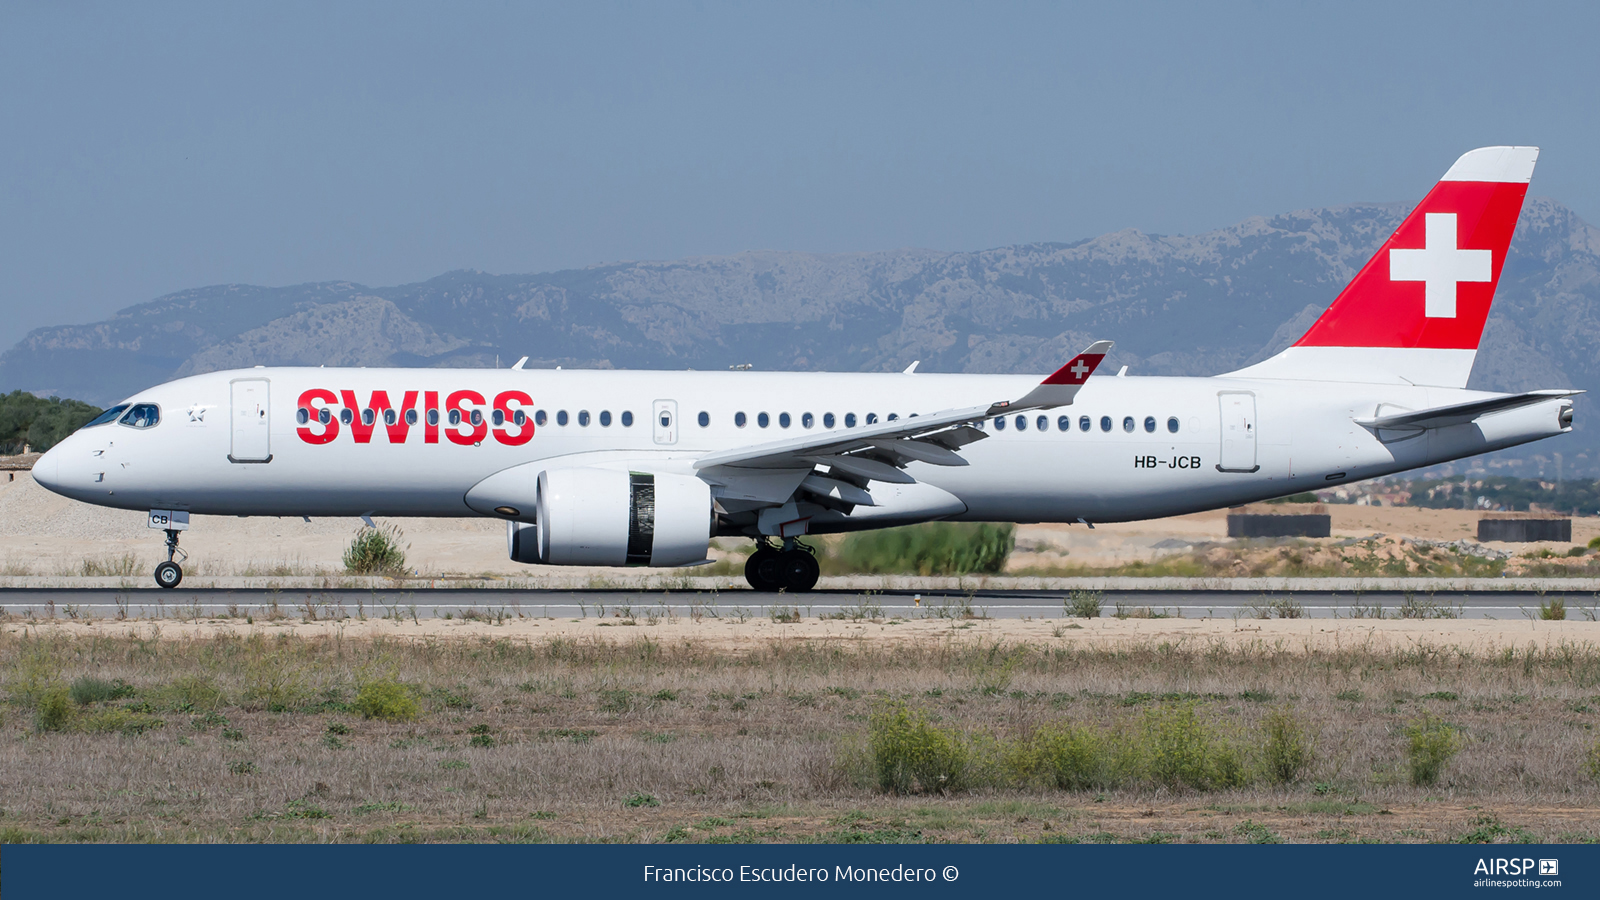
x=251 y=425
x=1238 y=431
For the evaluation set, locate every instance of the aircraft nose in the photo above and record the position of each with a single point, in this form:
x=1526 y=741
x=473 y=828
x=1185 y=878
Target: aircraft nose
x=46 y=469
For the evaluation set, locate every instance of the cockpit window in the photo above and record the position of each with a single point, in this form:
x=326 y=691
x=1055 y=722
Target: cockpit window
x=142 y=415
x=109 y=415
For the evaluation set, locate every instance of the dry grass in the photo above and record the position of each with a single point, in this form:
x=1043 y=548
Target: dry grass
x=642 y=740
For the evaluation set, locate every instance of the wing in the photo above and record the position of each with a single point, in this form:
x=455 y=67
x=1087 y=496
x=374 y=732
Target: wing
x=855 y=457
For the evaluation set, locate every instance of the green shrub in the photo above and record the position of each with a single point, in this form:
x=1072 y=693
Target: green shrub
x=388 y=700
x=376 y=551
x=54 y=710
x=1430 y=743
x=125 y=721
x=640 y=798
x=1072 y=758
x=1083 y=604
x=909 y=753
x=1182 y=751
x=1287 y=751
x=1592 y=764
x=935 y=548
x=1553 y=610
x=1594 y=543
x=87 y=689
x=190 y=693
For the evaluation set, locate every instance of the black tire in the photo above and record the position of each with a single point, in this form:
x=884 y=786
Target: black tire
x=764 y=570
x=168 y=575
x=800 y=571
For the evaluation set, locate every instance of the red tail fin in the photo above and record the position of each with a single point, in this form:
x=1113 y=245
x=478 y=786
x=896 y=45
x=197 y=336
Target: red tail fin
x=1427 y=289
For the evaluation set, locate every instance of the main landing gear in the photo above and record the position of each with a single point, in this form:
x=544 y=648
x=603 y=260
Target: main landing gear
x=169 y=573
x=792 y=568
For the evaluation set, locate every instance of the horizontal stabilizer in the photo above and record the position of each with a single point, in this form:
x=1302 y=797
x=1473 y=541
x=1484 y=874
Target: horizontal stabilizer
x=1460 y=413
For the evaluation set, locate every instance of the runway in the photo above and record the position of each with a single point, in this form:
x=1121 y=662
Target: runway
x=110 y=603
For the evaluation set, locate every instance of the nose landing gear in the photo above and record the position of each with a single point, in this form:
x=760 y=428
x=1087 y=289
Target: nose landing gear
x=169 y=573
x=793 y=568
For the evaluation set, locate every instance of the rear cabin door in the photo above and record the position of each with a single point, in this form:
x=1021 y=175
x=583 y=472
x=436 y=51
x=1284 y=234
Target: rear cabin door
x=664 y=419
x=251 y=426
x=1238 y=431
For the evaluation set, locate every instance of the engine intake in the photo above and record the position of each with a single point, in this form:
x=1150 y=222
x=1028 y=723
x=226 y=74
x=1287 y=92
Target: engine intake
x=603 y=517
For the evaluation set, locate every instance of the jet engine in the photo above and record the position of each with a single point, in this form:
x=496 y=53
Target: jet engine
x=603 y=517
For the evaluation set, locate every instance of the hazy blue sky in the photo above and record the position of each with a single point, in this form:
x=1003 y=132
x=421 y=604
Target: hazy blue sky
x=146 y=148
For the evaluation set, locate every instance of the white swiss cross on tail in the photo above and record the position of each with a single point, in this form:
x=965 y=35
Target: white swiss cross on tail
x=1440 y=265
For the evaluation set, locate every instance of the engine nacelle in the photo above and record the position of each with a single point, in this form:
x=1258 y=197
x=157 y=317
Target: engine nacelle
x=603 y=517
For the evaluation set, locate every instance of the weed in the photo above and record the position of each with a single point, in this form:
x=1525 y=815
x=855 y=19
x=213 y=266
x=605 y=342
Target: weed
x=1256 y=833
x=1488 y=830
x=481 y=740
x=242 y=767
x=1591 y=763
x=376 y=551
x=1430 y=744
x=638 y=799
x=1553 y=610
x=388 y=700
x=575 y=735
x=1181 y=750
x=1288 y=751
x=1071 y=758
x=1083 y=604
x=88 y=689
x=54 y=710
x=910 y=753
x=453 y=765
x=1353 y=695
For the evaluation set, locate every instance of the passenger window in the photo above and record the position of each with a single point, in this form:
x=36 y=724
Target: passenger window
x=368 y=417
x=763 y=420
x=477 y=417
x=783 y=420
x=433 y=416
x=1043 y=423
x=849 y=420
x=739 y=419
x=806 y=420
x=539 y=418
x=583 y=418
x=411 y=416
x=627 y=419
x=1172 y=424
x=390 y=417
x=1022 y=423
x=325 y=415
x=1127 y=424
x=705 y=418
x=142 y=415
x=109 y=415
x=605 y=418
x=1150 y=424
x=827 y=420
x=999 y=423
x=561 y=418
x=1064 y=423
x=346 y=416
x=872 y=418
x=1105 y=423
x=893 y=416
x=666 y=419
x=519 y=418
x=454 y=417
x=497 y=417
x=1083 y=423
x=302 y=415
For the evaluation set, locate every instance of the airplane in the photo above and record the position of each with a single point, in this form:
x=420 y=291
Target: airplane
x=631 y=468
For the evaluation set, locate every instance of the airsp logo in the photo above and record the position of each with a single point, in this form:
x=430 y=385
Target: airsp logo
x=1502 y=866
x=1549 y=867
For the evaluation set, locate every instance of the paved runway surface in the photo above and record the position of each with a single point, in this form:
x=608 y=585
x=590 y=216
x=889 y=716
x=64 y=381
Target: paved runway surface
x=109 y=603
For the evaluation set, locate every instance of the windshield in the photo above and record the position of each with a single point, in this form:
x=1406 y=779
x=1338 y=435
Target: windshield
x=142 y=415
x=109 y=415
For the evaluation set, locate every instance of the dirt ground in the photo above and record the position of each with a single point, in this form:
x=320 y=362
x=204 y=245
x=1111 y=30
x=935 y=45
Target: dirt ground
x=44 y=534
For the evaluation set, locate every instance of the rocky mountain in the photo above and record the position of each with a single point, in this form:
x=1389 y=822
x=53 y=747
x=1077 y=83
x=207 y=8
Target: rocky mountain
x=1196 y=304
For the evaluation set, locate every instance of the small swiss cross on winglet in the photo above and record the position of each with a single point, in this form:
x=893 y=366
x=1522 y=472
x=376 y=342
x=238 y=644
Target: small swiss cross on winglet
x=1063 y=385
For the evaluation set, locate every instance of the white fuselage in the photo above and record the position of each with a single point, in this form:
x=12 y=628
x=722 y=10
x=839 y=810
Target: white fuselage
x=209 y=454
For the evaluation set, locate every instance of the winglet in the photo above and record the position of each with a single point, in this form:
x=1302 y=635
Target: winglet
x=1063 y=384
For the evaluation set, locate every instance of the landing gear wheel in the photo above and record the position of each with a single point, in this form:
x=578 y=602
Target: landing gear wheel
x=168 y=574
x=800 y=571
x=764 y=570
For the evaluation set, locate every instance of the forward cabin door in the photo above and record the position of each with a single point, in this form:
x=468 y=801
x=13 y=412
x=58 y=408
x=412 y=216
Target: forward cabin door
x=1238 y=431
x=664 y=419
x=251 y=426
